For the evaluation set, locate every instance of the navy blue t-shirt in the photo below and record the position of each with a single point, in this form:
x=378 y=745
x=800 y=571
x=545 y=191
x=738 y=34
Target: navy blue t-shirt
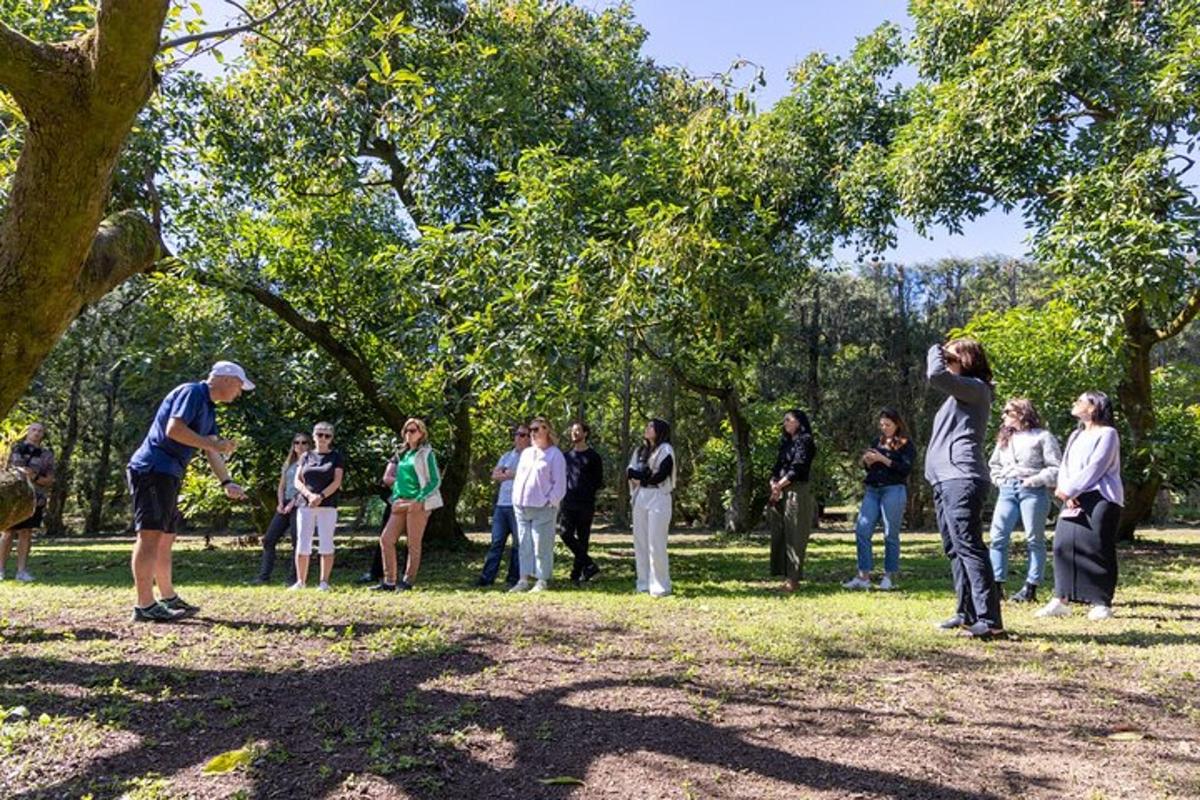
x=189 y=402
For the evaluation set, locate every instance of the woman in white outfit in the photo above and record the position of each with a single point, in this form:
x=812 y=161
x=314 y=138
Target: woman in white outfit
x=538 y=489
x=651 y=476
x=318 y=480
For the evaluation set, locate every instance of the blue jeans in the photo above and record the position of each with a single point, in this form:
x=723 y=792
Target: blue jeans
x=535 y=532
x=504 y=524
x=887 y=502
x=1030 y=506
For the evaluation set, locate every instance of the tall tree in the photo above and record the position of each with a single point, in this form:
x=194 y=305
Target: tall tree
x=1083 y=115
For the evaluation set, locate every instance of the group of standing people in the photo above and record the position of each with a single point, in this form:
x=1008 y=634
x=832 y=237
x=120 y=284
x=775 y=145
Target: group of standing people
x=543 y=490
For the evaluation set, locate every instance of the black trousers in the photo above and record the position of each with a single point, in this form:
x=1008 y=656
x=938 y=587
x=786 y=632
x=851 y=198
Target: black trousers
x=959 y=507
x=1085 y=552
x=575 y=528
x=280 y=524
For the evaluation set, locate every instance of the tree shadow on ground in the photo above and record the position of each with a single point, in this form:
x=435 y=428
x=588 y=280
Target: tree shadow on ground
x=384 y=718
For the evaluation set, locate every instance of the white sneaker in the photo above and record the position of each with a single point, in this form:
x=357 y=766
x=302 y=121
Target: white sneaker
x=1055 y=608
x=857 y=582
x=1099 y=612
x=295 y=587
x=24 y=577
x=887 y=584
x=322 y=587
x=540 y=586
x=520 y=586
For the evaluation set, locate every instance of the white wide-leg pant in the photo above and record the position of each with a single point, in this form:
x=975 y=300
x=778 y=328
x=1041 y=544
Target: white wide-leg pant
x=651 y=520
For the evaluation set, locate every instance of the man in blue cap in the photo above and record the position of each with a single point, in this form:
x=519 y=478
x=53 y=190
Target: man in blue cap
x=186 y=421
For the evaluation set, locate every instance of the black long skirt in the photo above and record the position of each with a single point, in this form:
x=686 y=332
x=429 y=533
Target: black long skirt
x=1085 y=552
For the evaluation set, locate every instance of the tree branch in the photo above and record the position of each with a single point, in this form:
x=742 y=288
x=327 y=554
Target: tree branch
x=225 y=33
x=319 y=333
x=126 y=40
x=27 y=67
x=721 y=392
x=398 y=172
x=125 y=245
x=1181 y=320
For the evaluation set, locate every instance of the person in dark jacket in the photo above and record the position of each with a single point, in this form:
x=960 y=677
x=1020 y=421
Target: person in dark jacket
x=790 y=507
x=585 y=477
x=956 y=468
x=887 y=463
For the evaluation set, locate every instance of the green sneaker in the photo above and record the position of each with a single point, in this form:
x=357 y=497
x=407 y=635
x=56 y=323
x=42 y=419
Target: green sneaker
x=156 y=612
x=177 y=603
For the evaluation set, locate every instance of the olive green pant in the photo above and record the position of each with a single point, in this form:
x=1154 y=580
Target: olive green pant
x=790 y=523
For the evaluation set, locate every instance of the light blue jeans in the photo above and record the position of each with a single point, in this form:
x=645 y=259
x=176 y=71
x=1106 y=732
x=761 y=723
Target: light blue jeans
x=535 y=535
x=887 y=502
x=1029 y=506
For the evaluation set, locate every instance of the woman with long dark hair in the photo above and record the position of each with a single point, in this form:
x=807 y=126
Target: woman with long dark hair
x=1024 y=465
x=284 y=520
x=1085 y=537
x=956 y=468
x=887 y=463
x=652 y=473
x=790 y=506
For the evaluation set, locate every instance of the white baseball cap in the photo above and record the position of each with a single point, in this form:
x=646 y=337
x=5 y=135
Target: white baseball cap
x=233 y=370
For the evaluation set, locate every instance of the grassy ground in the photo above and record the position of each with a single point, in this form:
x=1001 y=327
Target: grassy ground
x=724 y=690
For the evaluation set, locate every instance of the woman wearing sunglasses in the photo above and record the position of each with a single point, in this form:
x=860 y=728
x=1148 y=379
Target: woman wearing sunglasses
x=284 y=520
x=415 y=493
x=538 y=490
x=318 y=480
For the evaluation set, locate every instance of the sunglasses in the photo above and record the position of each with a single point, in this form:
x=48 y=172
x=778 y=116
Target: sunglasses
x=323 y=435
x=536 y=428
x=522 y=433
x=304 y=442
x=412 y=430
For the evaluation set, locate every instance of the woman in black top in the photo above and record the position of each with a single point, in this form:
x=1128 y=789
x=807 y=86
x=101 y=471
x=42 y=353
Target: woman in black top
x=790 y=508
x=887 y=463
x=318 y=480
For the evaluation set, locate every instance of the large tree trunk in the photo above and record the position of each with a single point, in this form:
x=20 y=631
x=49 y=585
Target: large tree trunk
x=95 y=517
x=62 y=478
x=1137 y=406
x=740 y=518
x=17 y=498
x=444 y=530
x=621 y=513
x=80 y=100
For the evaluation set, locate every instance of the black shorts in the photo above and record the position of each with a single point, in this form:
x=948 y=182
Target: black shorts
x=155 y=501
x=33 y=522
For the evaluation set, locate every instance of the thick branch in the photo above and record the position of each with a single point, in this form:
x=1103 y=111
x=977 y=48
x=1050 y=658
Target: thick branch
x=678 y=374
x=398 y=172
x=26 y=66
x=126 y=244
x=127 y=34
x=1181 y=320
x=320 y=334
x=225 y=33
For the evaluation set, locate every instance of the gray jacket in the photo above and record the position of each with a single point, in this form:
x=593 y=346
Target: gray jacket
x=1032 y=454
x=955 y=450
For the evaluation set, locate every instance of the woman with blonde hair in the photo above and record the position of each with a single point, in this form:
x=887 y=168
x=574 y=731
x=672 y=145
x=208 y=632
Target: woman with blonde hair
x=1024 y=465
x=415 y=493
x=538 y=490
x=318 y=479
x=285 y=507
x=35 y=461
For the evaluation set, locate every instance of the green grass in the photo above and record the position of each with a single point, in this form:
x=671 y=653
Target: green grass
x=425 y=692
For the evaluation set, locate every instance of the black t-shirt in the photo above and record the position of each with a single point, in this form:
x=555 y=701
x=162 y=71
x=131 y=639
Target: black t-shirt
x=317 y=472
x=585 y=477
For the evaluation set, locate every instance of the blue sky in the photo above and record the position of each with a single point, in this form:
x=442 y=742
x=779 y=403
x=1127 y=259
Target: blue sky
x=706 y=36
